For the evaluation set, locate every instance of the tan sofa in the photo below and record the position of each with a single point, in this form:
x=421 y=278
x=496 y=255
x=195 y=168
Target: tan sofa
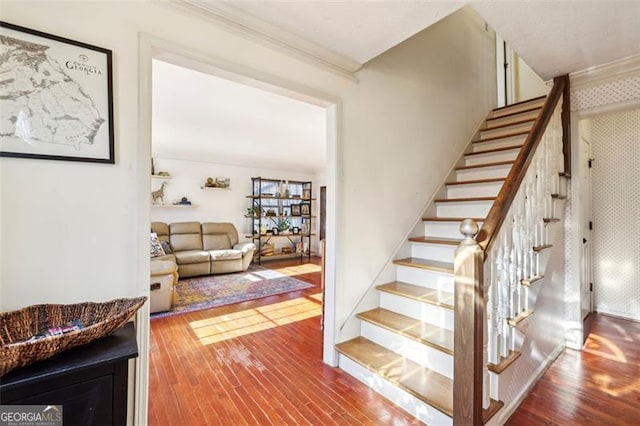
x=203 y=249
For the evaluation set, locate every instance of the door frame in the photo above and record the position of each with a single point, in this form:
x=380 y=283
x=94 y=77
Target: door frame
x=152 y=47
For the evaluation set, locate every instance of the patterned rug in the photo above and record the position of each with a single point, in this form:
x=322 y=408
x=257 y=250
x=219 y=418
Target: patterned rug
x=194 y=294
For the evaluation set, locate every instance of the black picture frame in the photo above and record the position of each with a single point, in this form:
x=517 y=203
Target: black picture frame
x=79 y=77
x=305 y=209
x=295 y=210
x=275 y=231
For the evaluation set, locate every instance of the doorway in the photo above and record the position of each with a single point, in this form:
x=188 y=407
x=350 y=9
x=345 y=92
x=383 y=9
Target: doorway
x=152 y=48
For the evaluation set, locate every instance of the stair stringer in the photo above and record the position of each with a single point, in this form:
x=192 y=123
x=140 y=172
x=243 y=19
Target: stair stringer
x=543 y=332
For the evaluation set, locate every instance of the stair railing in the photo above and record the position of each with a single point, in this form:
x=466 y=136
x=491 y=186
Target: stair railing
x=490 y=268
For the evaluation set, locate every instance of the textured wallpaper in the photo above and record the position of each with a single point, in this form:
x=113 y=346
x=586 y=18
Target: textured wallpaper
x=616 y=210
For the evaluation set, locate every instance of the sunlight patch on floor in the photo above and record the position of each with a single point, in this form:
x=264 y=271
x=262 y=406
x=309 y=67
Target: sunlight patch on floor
x=307 y=268
x=248 y=321
x=605 y=348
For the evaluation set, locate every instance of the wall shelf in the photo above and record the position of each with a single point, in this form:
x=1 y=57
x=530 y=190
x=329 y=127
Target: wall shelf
x=161 y=177
x=175 y=206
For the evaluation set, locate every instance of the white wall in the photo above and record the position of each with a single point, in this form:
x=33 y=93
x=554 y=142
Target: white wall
x=407 y=121
x=527 y=84
x=213 y=204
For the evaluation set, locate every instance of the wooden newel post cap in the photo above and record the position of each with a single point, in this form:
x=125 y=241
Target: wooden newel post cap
x=469 y=228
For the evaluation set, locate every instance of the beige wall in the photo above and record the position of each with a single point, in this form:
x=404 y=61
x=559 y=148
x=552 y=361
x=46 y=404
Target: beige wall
x=528 y=84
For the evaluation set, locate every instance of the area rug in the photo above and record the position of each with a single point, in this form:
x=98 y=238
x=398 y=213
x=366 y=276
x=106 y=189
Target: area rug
x=194 y=294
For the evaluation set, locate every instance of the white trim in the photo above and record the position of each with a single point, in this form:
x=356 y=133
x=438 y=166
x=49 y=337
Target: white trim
x=606 y=73
x=509 y=409
x=153 y=47
x=247 y=26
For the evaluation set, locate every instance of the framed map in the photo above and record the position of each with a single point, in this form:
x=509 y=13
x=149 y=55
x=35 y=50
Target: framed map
x=56 y=97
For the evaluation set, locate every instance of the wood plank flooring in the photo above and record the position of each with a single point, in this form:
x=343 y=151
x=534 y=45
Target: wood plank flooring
x=597 y=386
x=274 y=375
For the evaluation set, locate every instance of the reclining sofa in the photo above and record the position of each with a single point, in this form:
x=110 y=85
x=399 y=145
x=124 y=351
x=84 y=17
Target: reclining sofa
x=204 y=249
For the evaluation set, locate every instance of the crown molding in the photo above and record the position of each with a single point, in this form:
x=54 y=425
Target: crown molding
x=270 y=35
x=606 y=73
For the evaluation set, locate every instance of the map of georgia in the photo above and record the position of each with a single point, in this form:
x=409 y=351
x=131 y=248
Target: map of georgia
x=39 y=101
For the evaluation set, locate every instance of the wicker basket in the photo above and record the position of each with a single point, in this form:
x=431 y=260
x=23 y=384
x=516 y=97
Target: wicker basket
x=99 y=320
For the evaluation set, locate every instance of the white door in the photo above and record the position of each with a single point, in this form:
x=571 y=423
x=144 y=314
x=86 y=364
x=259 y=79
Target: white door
x=585 y=207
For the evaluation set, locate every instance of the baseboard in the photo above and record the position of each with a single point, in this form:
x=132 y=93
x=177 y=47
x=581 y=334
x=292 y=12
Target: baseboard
x=509 y=409
x=617 y=315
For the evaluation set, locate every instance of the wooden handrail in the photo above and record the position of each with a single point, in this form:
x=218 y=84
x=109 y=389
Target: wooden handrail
x=507 y=193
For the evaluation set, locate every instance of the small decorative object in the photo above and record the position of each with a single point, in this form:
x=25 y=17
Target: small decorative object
x=184 y=201
x=295 y=210
x=210 y=182
x=298 y=247
x=286 y=189
x=266 y=249
x=40 y=331
x=286 y=211
x=57 y=101
x=274 y=231
x=269 y=232
x=158 y=194
x=287 y=249
x=254 y=211
x=305 y=209
x=295 y=230
x=270 y=213
x=164 y=174
x=306 y=194
x=263 y=230
x=305 y=247
x=283 y=225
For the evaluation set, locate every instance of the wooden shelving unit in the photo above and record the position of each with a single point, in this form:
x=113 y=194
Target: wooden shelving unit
x=274 y=201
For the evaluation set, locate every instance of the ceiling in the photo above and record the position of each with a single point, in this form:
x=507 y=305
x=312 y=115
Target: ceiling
x=218 y=121
x=553 y=37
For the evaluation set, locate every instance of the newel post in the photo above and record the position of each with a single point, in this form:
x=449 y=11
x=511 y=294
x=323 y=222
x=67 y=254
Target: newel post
x=469 y=325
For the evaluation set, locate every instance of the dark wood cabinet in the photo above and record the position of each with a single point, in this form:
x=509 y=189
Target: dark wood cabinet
x=90 y=381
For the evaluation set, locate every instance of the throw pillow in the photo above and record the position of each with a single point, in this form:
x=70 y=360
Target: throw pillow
x=156 y=248
x=166 y=247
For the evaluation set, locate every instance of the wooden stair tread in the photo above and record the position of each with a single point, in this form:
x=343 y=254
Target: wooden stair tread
x=460 y=200
x=493 y=150
x=524 y=111
x=423 y=383
x=519 y=318
x=449 y=219
x=504 y=362
x=519 y=103
x=469 y=182
x=512 y=123
x=505 y=136
x=425 y=333
x=432 y=265
x=435 y=240
x=530 y=281
x=416 y=292
x=476 y=166
x=559 y=196
x=565 y=175
x=542 y=247
x=550 y=219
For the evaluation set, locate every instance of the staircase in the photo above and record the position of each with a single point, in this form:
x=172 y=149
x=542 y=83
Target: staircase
x=405 y=347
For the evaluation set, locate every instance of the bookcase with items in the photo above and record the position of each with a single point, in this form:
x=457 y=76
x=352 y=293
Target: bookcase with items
x=281 y=218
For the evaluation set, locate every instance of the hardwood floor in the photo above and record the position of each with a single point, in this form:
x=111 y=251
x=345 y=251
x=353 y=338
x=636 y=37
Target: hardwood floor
x=274 y=375
x=597 y=386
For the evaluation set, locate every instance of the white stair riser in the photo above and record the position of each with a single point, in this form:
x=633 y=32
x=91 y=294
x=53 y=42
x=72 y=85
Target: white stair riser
x=412 y=405
x=485 y=189
x=439 y=252
x=425 y=278
x=415 y=351
x=528 y=115
x=498 y=143
x=443 y=229
x=425 y=312
x=516 y=108
x=464 y=209
x=491 y=157
x=516 y=128
x=483 y=172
